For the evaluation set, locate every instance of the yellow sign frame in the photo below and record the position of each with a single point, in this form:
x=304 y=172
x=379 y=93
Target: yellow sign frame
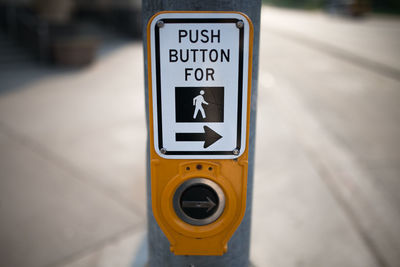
x=168 y=174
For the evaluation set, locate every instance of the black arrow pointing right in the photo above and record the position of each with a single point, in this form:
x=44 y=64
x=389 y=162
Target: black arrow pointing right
x=209 y=204
x=209 y=137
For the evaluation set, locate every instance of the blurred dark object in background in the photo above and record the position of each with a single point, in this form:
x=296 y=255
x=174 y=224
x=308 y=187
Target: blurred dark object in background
x=354 y=8
x=351 y=8
x=75 y=51
x=386 y=6
x=54 y=11
x=301 y=4
x=67 y=32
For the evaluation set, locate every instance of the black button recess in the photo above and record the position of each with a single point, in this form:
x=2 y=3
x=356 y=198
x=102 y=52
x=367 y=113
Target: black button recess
x=199 y=201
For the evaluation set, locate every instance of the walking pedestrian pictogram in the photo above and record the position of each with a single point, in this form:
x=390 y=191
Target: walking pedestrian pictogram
x=198 y=102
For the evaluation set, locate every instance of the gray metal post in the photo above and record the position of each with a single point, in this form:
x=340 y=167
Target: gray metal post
x=238 y=246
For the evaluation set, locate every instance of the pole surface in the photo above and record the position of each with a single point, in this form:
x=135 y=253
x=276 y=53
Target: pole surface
x=238 y=247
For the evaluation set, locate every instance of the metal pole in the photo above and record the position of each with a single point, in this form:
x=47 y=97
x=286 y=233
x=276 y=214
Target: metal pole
x=238 y=247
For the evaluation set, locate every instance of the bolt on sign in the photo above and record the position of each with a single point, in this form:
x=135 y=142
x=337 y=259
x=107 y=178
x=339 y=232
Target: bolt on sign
x=199 y=73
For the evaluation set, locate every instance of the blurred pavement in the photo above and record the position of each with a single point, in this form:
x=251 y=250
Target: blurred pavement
x=327 y=177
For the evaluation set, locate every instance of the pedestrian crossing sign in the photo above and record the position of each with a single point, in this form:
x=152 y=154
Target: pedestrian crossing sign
x=199 y=83
x=199 y=65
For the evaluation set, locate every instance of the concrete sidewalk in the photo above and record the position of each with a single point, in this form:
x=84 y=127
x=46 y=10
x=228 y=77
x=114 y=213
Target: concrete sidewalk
x=372 y=42
x=72 y=161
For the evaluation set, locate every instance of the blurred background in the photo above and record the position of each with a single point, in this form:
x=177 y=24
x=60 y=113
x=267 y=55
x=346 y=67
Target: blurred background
x=73 y=134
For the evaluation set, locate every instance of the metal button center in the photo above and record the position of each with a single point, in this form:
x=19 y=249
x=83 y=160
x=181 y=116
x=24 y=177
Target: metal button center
x=199 y=201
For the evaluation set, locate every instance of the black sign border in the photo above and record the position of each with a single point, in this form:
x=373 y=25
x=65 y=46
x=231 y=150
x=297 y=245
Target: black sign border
x=240 y=84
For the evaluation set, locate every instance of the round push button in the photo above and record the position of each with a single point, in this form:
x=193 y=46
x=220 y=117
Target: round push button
x=199 y=201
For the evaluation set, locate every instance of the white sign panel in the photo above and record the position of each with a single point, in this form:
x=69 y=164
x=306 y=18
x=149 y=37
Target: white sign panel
x=199 y=74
